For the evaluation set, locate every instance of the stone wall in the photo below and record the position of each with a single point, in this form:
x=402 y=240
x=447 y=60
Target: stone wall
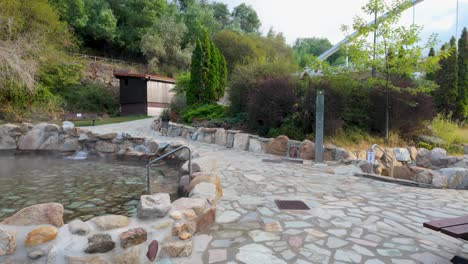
x=420 y=165
x=37 y=234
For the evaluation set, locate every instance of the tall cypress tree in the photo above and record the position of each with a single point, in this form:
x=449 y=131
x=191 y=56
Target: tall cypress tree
x=446 y=77
x=208 y=73
x=462 y=100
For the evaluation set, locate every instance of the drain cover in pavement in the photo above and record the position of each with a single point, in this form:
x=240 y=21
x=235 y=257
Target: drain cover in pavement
x=291 y=205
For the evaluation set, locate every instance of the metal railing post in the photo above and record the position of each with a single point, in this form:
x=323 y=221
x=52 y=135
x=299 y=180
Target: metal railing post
x=151 y=162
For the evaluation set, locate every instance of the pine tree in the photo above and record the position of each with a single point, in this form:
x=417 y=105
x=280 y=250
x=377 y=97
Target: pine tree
x=208 y=73
x=462 y=100
x=430 y=75
x=446 y=77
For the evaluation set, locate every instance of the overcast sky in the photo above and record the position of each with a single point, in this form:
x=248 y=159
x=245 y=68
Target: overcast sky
x=323 y=18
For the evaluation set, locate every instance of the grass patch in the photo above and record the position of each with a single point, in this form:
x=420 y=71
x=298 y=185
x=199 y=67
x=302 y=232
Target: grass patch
x=451 y=133
x=110 y=120
x=353 y=140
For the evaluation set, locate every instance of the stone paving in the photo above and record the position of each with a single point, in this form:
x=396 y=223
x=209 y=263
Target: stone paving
x=352 y=219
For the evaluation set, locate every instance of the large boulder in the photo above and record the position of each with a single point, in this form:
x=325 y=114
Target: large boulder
x=70 y=144
x=423 y=175
x=400 y=172
x=48 y=213
x=278 y=146
x=204 y=190
x=106 y=147
x=438 y=157
x=307 y=150
x=413 y=151
x=67 y=126
x=7 y=140
x=209 y=179
x=153 y=206
x=203 y=164
x=402 y=154
x=41 y=137
x=457 y=177
x=423 y=158
x=362 y=155
x=196 y=204
x=343 y=154
x=439 y=180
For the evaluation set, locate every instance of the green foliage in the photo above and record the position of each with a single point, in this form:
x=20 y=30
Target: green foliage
x=446 y=77
x=304 y=47
x=199 y=19
x=57 y=77
x=18 y=103
x=449 y=131
x=203 y=112
x=245 y=78
x=162 y=46
x=208 y=74
x=291 y=127
x=165 y=115
x=182 y=84
x=462 y=99
x=89 y=98
x=425 y=145
x=247 y=18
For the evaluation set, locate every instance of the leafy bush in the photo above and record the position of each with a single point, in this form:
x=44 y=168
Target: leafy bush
x=57 y=77
x=203 y=112
x=245 y=79
x=89 y=98
x=17 y=103
x=290 y=127
x=425 y=145
x=270 y=103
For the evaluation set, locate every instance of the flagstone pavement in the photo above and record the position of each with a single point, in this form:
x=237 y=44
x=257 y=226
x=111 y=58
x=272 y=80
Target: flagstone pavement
x=351 y=220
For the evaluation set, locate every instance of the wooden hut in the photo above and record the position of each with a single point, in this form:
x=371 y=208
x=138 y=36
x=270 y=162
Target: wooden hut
x=144 y=94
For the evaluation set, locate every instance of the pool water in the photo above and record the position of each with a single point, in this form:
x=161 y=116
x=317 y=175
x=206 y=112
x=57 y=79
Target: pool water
x=85 y=188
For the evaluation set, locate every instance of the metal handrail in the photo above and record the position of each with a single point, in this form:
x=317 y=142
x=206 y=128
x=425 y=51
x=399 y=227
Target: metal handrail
x=151 y=162
x=385 y=154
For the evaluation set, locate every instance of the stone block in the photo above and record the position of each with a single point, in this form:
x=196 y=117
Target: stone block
x=132 y=237
x=100 y=243
x=79 y=227
x=255 y=145
x=177 y=248
x=241 y=141
x=220 y=137
x=153 y=206
x=107 y=222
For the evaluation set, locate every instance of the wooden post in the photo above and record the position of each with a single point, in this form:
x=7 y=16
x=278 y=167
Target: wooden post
x=319 y=113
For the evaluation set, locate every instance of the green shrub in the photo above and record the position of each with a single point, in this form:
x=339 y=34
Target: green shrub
x=203 y=112
x=291 y=127
x=89 y=98
x=18 y=103
x=425 y=145
x=58 y=77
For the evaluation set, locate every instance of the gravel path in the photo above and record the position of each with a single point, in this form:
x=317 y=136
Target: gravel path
x=351 y=220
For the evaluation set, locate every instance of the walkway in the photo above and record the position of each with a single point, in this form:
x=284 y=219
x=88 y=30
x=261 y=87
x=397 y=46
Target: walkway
x=352 y=220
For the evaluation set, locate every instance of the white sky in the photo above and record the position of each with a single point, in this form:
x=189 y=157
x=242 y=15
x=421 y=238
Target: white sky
x=323 y=18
